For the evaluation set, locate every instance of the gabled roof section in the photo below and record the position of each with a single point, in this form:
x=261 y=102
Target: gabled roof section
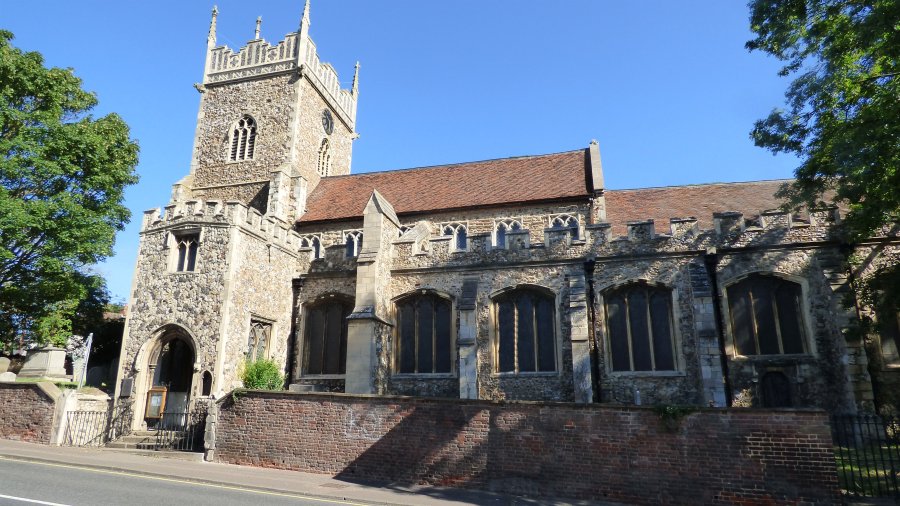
x=489 y=183
x=698 y=201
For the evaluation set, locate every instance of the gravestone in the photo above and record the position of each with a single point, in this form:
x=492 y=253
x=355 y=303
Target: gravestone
x=47 y=362
x=4 y=364
x=7 y=377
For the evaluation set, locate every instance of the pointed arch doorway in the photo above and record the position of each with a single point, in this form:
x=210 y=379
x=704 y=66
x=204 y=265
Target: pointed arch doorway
x=171 y=376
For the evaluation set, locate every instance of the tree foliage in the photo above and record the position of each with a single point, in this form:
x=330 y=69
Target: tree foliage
x=842 y=115
x=62 y=179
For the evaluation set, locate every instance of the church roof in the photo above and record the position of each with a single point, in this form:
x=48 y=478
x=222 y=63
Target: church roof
x=698 y=201
x=498 y=182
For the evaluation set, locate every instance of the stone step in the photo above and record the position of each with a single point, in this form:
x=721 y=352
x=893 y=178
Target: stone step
x=160 y=454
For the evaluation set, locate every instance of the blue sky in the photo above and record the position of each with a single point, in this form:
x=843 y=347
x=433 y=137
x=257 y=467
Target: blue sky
x=666 y=87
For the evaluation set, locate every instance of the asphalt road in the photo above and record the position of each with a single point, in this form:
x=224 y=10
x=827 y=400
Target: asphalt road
x=28 y=483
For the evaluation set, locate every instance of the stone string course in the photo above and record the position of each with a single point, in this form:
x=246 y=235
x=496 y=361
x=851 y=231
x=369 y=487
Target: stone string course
x=538 y=449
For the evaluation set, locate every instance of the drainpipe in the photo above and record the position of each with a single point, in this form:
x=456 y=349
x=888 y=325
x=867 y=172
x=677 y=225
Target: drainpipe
x=592 y=317
x=711 y=259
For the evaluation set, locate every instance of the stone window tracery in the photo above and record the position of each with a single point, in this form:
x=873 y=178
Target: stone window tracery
x=325 y=337
x=766 y=316
x=353 y=243
x=314 y=243
x=459 y=233
x=324 y=164
x=424 y=335
x=243 y=140
x=640 y=328
x=187 y=246
x=501 y=228
x=526 y=339
x=565 y=222
x=259 y=340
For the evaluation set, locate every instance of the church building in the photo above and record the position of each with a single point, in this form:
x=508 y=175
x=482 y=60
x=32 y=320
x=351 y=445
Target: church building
x=519 y=278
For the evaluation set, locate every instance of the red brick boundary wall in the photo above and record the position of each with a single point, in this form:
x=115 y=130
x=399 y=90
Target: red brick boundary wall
x=26 y=411
x=538 y=449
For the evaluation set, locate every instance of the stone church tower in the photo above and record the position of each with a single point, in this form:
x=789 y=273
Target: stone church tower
x=215 y=266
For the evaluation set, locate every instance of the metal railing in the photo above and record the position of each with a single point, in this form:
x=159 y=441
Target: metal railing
x=96 y=428
x=182 y=430
x=867 y=452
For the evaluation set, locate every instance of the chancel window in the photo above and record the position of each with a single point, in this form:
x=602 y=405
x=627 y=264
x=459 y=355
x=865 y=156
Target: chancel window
x=243 y=140
x=353 y=243
x=324 y=165
x=502 y=228
x=187 y=246
x=259 y=340
x=766 y=316
x=325 y=339
x=525 y=332
x=639 y=325
x=459 y=235
x=424 y=327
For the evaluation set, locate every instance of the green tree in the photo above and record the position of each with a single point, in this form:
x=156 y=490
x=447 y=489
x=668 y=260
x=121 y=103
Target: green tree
x=262 y=374
x=842 y=115
x=62 y=179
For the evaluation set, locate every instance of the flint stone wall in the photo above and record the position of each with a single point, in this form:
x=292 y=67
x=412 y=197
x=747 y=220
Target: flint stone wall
x=538 y=449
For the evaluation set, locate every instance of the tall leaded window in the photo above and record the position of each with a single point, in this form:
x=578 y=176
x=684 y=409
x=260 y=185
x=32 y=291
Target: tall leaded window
x=424 y=335
x=525 y=332
x=243 y=140
x=502 y=228
x=353 y=243
x=459 y=235
x=187 y=246
x=639 y=324
x=766 y=316
x=325 y=337
x=324 y=165
x=259 y=340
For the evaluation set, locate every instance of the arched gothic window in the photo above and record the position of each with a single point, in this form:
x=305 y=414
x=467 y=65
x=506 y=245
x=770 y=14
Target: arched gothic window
x=526 y=339
x=565 y=222
x=502 y=228
x=424 y=340
x=324 y=166
x=459 y=234
x=766 y=316
x=325 y=337
x=187 y=252
x=353 y=241
x=243 y=140
x=314 y=243
x=259 y=340
x=639 y=324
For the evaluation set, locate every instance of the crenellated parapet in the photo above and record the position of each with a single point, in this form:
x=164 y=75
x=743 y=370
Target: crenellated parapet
x=200 y=213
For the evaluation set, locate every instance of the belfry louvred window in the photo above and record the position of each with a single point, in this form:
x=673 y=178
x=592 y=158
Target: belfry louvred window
x=187 y=252
x=243 y=140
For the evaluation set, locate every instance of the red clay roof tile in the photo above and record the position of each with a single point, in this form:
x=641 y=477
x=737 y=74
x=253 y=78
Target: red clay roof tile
x=465 y=185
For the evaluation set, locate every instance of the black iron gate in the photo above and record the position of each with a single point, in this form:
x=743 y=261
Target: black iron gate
x=182 y=430
x=96 y=428
x=867 y=451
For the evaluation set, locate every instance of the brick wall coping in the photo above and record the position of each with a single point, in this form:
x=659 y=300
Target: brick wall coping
x=46 y=388
x=343 y=397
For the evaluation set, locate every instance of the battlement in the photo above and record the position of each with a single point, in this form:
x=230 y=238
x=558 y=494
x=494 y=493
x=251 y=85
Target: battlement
x=296 y=51
x=215 y=213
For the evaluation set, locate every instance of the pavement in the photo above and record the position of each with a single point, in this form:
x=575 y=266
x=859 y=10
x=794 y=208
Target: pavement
x=308 y=485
